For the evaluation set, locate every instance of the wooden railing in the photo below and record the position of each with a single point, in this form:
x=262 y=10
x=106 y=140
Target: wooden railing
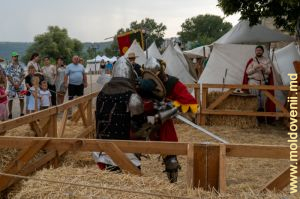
x=210 y=109
x=206 y=163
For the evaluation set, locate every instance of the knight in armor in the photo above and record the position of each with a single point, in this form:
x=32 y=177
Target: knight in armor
x=178 y=94
x=119 y=109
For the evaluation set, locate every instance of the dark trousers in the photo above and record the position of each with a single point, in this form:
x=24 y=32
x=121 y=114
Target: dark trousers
x=75 y=90
x=52 y=89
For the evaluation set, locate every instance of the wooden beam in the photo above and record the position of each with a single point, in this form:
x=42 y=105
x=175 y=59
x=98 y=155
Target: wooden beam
x=148 y=147
x=244 y=86
x=243 y=113
x=222 y=169
x=203 y=106
x=77 y=114
x=258 y=151
x=282 y=180
x=52 y=129
x=23 y=158
x=89 y=112
x=119 y=158
x=276 y=102
x=220 y=99
x=61 y=130
x=195 y=86
x=36 y=128
x=190 y=165
x=76 y=101
x=81 y=110
x=13 y=123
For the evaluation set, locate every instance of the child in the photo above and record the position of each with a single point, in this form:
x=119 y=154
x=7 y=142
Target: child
x=3 y=100
x=28 y=84
x=45 y=96
x=34 y=98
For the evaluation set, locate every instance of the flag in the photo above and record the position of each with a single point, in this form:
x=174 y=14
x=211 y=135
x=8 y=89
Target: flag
x=125 y=40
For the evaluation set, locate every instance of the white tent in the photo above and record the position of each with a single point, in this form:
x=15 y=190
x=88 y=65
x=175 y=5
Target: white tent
x=153 y=51
x=136 y=48
x=283 y=61
x=113 y=59
x=98 y=58
x=92 y=67
x=201 y=51
x=242 y=33
x=175 y=66
x=230 y=57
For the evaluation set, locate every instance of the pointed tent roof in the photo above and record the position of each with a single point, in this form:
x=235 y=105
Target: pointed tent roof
x=175 y=66
x=153 y=51
x=136 y=48
x=242 y=33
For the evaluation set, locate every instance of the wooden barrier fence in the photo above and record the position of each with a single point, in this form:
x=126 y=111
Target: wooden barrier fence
x=206 y=163
x=210 y=109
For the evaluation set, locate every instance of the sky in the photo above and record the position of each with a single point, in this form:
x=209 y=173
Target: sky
x=95 y=20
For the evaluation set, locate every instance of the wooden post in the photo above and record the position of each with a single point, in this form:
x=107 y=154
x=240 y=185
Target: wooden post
x=197 y=96
x=206 y=166
x=63 y=124
x=89 y=113
x=204 y=105
x=222 y=169
x=190 y=165
x=52 y=126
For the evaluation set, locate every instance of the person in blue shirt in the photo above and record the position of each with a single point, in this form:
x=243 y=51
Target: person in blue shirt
x=75 y=78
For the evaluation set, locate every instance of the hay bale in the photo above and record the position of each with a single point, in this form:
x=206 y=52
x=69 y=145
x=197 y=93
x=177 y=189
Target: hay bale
x=234 y=102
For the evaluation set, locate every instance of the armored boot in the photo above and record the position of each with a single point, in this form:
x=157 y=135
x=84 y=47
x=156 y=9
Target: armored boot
x=172 y=167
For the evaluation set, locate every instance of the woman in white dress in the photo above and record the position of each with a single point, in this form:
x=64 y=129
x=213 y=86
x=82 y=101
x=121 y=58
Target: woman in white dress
x=60 y=88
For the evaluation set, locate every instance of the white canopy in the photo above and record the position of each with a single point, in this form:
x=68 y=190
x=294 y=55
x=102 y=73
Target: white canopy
x=98 y=58
x=136 y=48
x=242 y=33
x=283 y=61
x=153 y=51
x=175 y=66
x=198 y=52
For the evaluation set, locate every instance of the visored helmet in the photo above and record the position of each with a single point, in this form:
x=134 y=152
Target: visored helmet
x=123 y=68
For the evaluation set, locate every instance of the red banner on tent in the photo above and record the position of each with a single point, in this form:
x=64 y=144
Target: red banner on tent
x=125 y=40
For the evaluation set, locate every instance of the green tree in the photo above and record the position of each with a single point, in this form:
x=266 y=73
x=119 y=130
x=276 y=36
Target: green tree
x=203 y=29
x=55 y=43
x=154 y=32
x=284 y=12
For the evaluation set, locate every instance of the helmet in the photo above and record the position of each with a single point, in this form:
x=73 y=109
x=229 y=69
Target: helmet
x=123 y=68
x=156 y=66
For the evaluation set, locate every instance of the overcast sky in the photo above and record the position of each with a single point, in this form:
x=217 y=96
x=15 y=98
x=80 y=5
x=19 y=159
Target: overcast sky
x=95 y=20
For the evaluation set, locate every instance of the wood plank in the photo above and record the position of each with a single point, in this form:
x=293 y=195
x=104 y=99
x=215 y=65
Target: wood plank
x=148 y=147
x=36 y=128
x=244 y=86
x=43 y=122
x=89 y=112
x=281 y=181
x=76 y=101
x=190 y=165
x=195 y=86
x=222 y=169
x=220 y=99
x=203 y=106
x=119 y=158
x=23 y=158
x=200 y=166
x=213 y=156
x=81 y=110
x=243 y=113
x=258 y=151
x=52 y=130
x=276 y=102
x=26 y=119
x=76 y=117
x=63 y=124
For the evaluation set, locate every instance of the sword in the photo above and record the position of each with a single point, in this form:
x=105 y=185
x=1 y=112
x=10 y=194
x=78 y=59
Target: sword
x=201 y=129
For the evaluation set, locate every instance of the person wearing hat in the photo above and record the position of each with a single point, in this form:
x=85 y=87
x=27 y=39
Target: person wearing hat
x=131 y=57
x=15 y=75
